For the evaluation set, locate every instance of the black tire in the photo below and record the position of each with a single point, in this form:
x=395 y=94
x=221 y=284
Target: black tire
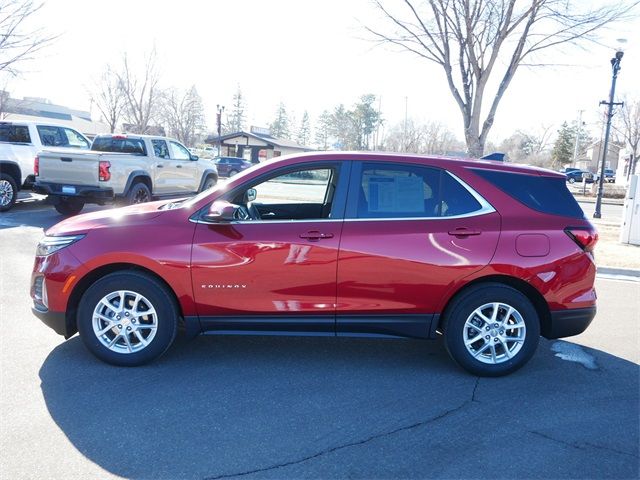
x=233 y=172
x=455 y=329
x=209 y=182
x=69 y=207
x=154 y=293
x=139 y=193
x=8 y=192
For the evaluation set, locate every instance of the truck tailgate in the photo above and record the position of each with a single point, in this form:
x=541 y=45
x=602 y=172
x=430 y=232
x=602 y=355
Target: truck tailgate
x=69 y=167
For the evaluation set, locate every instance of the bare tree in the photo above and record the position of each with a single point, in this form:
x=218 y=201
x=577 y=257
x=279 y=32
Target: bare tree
x=18 y=43
x=473 y=39
x=430 y=138
x=108 y=98
x=141 y=92
x=630 y=120
x=183 y=113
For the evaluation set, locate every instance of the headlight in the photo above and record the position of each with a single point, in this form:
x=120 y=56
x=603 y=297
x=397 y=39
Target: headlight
x=48 y=245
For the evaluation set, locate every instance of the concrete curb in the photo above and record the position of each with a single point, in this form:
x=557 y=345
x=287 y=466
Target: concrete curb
x=627 y=272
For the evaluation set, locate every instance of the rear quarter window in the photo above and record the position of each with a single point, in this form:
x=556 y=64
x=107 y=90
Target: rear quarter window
x=132 y=146
x=543 y=194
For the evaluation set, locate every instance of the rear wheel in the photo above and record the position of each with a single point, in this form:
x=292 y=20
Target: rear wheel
x=8 y=192
x=233 y=172
x=139 y=193
x=127 y=318
x=69 y=207
x=491 y=330
x=210 y=182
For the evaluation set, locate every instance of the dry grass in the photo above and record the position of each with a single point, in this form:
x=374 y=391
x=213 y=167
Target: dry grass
x=610 y=252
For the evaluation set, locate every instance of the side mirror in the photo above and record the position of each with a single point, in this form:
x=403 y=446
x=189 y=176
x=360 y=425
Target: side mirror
x=250 y=195
x=221 y=211
x=194 y=157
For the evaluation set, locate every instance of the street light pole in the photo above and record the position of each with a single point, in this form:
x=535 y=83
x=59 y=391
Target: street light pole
x=219 y=110
x=615 y=65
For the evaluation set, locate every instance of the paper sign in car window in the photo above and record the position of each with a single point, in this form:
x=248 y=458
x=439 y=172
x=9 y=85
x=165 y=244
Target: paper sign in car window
x=396 y=194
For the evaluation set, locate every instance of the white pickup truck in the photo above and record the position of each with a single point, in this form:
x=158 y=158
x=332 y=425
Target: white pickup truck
x=20 y=142
x=129 y=168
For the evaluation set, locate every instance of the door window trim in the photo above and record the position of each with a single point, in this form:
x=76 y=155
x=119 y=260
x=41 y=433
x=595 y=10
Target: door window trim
x=351 y=212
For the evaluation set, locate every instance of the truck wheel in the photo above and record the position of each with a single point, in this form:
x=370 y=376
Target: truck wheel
x=69 y=207
x=210 y=182
x=139 y=193
x=127 y=318
x=491 y=330
x=8 y=192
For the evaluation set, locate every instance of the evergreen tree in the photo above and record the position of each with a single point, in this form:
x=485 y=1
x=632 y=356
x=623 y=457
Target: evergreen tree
x=237 y=116
x=365 y=119
x=280 y=126
x=323 y=130
x=304 y=132
x=563 y=146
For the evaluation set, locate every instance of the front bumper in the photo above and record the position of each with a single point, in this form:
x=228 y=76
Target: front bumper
x=54 y=320
x=567 y=323
x=85 y=193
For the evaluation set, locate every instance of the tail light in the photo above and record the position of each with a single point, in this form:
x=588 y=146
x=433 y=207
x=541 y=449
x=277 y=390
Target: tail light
x=36 y=166
x=586 y=238
x=104 y=174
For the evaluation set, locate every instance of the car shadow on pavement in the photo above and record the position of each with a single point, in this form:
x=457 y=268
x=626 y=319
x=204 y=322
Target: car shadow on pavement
x=37 y=213
x=273 y=407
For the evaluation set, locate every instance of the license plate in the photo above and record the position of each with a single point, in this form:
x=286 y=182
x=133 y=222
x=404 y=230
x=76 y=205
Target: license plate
x=66 y=189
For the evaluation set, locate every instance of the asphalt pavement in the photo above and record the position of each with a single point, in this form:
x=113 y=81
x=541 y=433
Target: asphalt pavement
x=276 y=407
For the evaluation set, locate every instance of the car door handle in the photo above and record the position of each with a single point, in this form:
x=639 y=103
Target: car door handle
x=178 y=166
x=464 y=232
x=160 y=165
x=315 y=235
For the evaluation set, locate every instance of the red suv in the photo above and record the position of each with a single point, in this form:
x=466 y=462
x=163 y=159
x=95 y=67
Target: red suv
x=488 y=255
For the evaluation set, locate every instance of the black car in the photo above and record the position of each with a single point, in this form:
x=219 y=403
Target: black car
x=229 y=166
x=576 y=175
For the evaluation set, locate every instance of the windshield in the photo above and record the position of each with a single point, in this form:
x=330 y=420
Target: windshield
x=221 y=185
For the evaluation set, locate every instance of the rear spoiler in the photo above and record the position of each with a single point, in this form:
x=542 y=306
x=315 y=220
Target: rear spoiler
x=497 y=156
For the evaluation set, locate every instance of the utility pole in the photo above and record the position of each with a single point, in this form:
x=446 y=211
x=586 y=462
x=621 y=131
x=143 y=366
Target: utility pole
x=578 y=131
x=219 y=110
x=404 y=130
x=615 y=66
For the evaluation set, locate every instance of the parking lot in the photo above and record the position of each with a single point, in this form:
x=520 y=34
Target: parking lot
x=274 y=407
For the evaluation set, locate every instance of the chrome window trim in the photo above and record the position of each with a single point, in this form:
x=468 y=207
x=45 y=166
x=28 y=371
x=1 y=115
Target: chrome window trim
x=269 y=222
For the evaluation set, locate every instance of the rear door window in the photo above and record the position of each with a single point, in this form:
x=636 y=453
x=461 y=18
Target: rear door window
x=541 y=193
x=52 y=136
x=160 y=148
x=14 y=134
x=408 y=191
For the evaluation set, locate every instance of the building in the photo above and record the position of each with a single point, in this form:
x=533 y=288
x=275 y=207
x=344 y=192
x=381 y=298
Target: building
x=591 y=161
x=257 y=145
x=36 y=109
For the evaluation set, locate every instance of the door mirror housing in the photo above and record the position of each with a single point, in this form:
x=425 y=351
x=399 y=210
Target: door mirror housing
x=221 y=211
x=194 y=157
x=250 y=195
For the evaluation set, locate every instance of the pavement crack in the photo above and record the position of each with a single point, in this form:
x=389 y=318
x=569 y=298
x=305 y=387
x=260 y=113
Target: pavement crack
x=475 y=388
x=584 y=445
x=343 y=446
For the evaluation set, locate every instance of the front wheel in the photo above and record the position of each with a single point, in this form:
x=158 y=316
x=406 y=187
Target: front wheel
x=572 y=180
x=491 y=330
x=69 y=207
x=127 y=318
x=8 y=192
x=210 y=182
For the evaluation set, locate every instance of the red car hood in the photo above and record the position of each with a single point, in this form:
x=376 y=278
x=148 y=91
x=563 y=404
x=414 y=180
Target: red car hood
x=106 y=218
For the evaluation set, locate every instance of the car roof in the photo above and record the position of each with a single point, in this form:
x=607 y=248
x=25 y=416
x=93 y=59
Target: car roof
x=442 y=161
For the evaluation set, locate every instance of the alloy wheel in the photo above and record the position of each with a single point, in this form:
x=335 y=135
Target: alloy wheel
x=125 y=321
x=494 y=333
x=6 y=193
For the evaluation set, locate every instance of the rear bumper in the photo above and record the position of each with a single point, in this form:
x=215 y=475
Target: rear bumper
x=88 y=194
x=567 y=323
